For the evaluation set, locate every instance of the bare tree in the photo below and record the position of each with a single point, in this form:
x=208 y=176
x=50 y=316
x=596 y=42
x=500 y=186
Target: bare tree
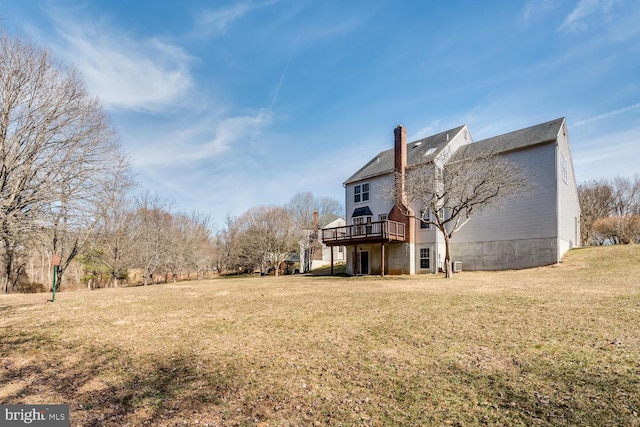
x=609 y=210
x=114 y=233
x=617 y=230
x=228 y=246
x=626 y=195
x=329 y=206
x=447 y=194
x=54 y=138
x=302 y=207
x=152 y=224
x=268 y=236
x=198 y=246
x=596 y=201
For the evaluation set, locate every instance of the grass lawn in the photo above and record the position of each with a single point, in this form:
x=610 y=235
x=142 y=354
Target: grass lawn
x=558 y=345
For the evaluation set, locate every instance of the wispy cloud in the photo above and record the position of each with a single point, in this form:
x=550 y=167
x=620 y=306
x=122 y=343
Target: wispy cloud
x=430 y=129
x=577 y=20
x=607 y=154
x=130 y=74
x=536 y=8
x=606 y=115
x=195 y=140
x=215 y=22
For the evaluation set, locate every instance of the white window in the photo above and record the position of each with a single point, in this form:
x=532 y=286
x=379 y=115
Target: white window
x=565 y=169
x=361 y=193
x=425 y=217
x=425 y=257
x=360 y=227
x=382 y=217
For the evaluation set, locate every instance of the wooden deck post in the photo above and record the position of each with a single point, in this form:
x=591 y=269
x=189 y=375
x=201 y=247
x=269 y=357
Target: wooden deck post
x=331 y=247
x=382 y=259
x=355 y=260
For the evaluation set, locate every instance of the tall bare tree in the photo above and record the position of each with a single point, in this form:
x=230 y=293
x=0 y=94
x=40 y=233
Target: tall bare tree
x=54 y=139
x=609 y=210
x=228 y=246
x=198 y=251
x=268 y=236
x=152 y=225
x=114 y=234
x=596 y=201
x=447 y=194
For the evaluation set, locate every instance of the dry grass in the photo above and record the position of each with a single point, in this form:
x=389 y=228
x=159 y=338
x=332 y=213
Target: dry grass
x=549 y=346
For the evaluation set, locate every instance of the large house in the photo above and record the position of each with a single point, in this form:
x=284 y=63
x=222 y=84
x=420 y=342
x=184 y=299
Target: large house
x=535 y=229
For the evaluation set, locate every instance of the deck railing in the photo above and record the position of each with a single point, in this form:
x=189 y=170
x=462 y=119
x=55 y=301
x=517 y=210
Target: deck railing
x=383 y=231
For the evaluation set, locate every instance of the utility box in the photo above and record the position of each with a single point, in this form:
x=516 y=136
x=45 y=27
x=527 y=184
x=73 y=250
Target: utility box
x=457 y=266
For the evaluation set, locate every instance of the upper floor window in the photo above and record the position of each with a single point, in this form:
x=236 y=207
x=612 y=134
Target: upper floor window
x=361 y=193
x=425 y=217
x=565 y=169
x=382 y=217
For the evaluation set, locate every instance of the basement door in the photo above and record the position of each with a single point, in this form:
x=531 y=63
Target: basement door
x=363 y=262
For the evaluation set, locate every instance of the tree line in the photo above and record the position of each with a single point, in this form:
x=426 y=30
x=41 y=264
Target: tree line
x=264 y=237
x=610 y=211
x=68 y=195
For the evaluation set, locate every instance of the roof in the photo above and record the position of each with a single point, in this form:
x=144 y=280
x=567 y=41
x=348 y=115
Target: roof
x=533 y=135
x=327 y=219
x=419 y=151
x=364 y=211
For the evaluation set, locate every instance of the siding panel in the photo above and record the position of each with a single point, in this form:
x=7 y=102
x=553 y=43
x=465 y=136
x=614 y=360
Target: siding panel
x=531 y=216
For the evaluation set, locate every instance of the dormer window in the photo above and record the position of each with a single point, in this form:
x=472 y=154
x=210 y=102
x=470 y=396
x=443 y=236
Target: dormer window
x=361 y=193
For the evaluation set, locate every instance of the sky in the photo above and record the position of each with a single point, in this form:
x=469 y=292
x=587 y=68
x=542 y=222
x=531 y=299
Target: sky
x=227 y=105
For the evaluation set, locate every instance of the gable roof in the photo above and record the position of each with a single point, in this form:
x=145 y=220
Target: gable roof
x=327 y=219
x=419 y=151
x=532 y=135
x=426 y=149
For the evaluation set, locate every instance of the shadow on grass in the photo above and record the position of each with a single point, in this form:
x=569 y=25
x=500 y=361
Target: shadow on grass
x=553 y=396
x=105 y=387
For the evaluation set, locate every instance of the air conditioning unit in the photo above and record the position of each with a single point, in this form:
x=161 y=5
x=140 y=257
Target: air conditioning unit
x=457 y=266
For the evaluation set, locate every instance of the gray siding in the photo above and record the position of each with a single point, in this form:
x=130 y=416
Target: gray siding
x=568 y=204
x=531 y=216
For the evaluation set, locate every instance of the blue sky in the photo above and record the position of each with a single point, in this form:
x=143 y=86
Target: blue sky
x=225 y=105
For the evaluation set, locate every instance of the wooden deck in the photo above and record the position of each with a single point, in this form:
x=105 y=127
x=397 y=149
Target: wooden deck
x=373 y=232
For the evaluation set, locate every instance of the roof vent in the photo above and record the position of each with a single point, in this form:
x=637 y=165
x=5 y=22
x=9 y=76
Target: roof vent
x=429 y=151
x=417 y=144
x=447 y=137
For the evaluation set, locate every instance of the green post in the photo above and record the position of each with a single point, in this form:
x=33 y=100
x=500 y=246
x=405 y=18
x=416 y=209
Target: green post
x=55 y=262
x=53 y=290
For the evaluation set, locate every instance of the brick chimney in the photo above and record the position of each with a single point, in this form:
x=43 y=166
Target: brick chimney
x=399 y=214
x=399 y=155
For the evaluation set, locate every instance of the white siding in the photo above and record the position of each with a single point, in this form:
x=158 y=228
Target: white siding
x=461 y=138
x=377 y=201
